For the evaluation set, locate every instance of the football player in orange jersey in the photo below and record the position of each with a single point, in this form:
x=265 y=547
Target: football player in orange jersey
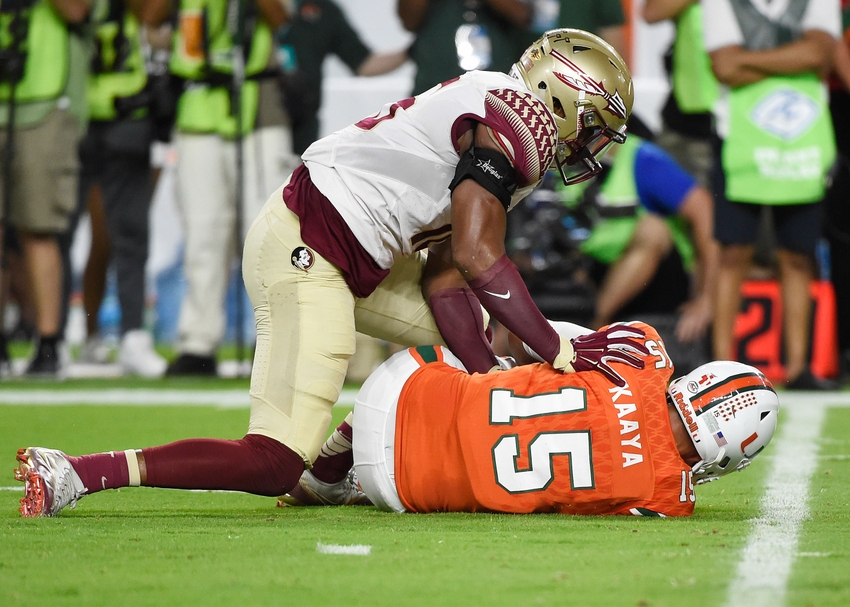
x=428 y=437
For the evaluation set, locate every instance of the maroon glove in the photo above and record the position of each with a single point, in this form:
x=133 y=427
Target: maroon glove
x=593 y=352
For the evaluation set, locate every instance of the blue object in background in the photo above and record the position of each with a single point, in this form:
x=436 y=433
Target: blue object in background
x=109 y=313
x=824 y=259
x=170 y=290
x=249 y=327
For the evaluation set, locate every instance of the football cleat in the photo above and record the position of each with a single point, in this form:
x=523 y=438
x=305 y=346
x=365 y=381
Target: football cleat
x=50 y=482
x=310 y=491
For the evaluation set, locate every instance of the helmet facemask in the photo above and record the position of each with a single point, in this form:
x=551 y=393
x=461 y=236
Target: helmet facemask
x=578 y=159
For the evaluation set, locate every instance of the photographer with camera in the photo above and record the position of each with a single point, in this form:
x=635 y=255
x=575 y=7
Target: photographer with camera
x=127 y=112
x=233 y=142
x=43 y=54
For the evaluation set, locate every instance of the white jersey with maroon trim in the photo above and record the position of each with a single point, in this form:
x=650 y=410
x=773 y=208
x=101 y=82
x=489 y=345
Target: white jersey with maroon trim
x=388 y=175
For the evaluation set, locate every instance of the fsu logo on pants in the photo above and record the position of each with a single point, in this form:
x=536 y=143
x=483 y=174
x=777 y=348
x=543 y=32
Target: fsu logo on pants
x=302 y=258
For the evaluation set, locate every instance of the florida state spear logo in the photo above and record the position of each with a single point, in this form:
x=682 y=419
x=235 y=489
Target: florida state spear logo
x=581 y=81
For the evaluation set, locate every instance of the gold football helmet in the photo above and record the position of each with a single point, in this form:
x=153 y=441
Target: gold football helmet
x=588 y=88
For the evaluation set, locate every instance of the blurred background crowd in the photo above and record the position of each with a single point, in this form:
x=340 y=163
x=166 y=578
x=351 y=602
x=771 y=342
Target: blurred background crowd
x=139 y=139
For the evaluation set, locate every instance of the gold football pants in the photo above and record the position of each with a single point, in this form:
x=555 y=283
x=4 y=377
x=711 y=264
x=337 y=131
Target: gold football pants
x=306 y=323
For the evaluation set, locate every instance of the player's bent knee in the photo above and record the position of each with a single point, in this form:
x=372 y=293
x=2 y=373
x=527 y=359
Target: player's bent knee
x=276 y=468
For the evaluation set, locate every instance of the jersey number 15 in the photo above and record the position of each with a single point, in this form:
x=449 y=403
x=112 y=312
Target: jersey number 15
x=505 y=407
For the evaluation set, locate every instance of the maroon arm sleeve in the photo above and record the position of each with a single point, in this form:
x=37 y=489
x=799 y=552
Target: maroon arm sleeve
x=501 y=290
x=461 y=323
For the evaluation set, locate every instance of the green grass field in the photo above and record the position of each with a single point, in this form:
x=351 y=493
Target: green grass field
x=777 y=534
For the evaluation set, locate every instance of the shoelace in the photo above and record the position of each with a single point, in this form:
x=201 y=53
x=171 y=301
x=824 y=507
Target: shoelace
x=65 y=491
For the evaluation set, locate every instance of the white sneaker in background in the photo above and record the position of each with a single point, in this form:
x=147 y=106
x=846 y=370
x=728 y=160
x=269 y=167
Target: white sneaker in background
x=138 y=356
x=95 y=351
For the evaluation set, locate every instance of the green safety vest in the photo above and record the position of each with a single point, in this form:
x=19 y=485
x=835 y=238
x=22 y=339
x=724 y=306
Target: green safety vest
x=46 y=47
x=694 y=84
x=609 y=237
x=780 y=141
x=203 y=107
x=115 y=81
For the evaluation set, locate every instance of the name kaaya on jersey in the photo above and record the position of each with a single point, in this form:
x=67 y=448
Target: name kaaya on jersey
x=631 y=448
x=388 y=175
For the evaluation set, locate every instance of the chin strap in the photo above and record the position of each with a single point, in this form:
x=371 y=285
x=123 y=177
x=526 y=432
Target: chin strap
x=744 y=463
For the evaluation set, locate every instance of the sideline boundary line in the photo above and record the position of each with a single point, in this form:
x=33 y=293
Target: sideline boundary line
x=224 y=399
x=767 y=558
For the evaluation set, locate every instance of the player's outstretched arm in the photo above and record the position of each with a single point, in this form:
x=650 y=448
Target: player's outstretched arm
x=456 y=310
x=484 y=183
x=591 y=350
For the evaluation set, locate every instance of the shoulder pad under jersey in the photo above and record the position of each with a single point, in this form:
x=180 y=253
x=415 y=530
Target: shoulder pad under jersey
x=526 y=130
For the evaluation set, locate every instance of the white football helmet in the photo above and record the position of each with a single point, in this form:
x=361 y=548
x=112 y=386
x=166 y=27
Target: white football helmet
x=587 y=87
x=730 y=410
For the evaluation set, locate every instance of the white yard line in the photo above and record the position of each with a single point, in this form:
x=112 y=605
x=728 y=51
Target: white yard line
x=768 y=556
x=226 y=399
x=349 y=550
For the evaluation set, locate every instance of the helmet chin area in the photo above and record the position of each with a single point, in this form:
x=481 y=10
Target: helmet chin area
x=575 y=166
x=578 y=159
x=705 y=472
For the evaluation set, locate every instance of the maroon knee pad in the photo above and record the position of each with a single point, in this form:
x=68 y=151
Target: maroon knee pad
x=255 y=464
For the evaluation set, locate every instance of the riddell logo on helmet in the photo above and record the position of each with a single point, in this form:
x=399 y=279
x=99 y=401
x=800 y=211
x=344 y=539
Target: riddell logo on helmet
x=687 y=414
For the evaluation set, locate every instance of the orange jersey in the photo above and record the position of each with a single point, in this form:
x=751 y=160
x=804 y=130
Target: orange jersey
x=534 y=440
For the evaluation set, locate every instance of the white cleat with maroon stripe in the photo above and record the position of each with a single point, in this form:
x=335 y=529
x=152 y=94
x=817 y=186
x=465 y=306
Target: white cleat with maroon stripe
x=51 y=483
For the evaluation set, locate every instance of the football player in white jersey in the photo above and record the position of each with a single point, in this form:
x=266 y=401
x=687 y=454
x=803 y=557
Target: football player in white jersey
x=340 y=247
